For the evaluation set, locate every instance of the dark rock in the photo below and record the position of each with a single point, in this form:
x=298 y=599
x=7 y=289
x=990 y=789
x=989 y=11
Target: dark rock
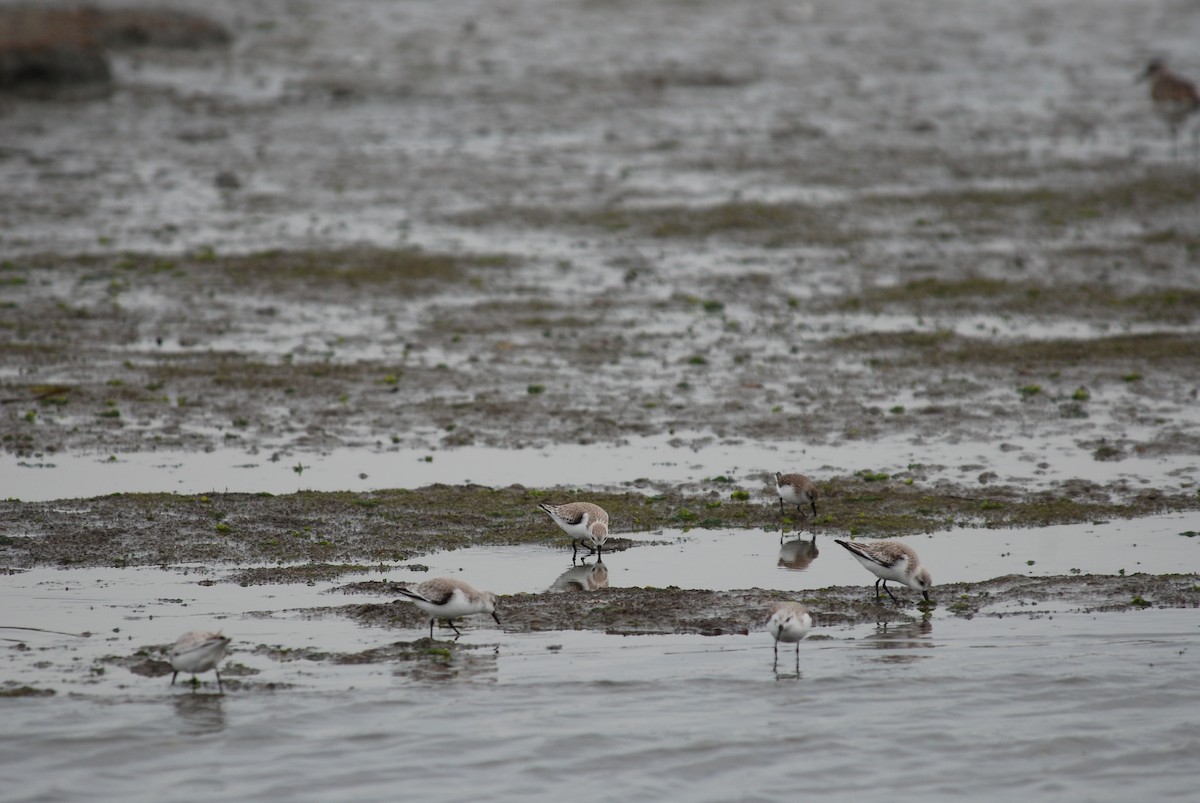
x=50 y=48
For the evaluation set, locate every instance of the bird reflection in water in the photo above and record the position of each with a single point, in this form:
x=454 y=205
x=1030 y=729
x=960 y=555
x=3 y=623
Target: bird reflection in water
x=200 y=713
x=902 y=636
x=584 y=577
x=797 y=554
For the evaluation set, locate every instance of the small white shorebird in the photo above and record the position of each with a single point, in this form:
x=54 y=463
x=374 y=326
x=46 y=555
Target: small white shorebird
x=789 y=622
x=447 y=598
x=796 y=489
x=584 y=522
x=891 y=560
x=198 y=651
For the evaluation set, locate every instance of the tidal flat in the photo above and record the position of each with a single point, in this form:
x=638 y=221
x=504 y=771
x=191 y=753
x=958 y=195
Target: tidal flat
x=327 y=301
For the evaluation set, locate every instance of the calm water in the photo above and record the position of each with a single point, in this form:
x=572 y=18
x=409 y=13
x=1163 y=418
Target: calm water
x=1076 y=707
x=1059 y=705
x=1053 y=458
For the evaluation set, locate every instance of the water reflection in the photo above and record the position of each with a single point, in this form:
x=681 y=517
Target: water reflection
x=795 y=674
x=200 y=713
x=904 y=636
x=584 y=577
x=796 y=555
x=475 y=663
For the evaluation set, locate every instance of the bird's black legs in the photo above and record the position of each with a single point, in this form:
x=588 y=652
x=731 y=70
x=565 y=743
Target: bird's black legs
x=173 y=676
x=592 y=550
x=452 y=627
x=885 y=588
x=431 y=621
x=220 y=688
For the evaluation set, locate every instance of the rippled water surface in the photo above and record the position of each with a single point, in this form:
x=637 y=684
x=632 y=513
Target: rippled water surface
x=1052 y=703
x=1064 y=707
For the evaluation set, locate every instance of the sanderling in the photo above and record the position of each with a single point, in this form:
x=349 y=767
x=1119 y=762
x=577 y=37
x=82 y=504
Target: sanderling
x=584 y=577
x=198 y=651
x=445 y=598
x=891 y=560
x=790 y=622
x=796 y=489
x=1175 y=98
x=584 y=522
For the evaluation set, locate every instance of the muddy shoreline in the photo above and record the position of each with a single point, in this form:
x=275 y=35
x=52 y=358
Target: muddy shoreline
x=321 y=535
x=633 y=611
x=316 y=538
x=667 y=611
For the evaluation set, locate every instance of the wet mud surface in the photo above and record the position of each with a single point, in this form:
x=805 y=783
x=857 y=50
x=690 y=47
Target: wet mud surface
x=813 y=237
x=630 y=611
x=820 y=224
x=336 y=533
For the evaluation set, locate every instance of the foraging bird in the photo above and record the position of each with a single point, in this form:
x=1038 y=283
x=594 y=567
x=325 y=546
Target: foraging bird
x=789 y=622
x=1175 y=98
x=584 y=522
x=796 y=489
x=447 y=598
x=198 y=651
x=891 y=560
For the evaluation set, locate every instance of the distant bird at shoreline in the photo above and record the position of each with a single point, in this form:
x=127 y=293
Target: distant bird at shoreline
x=891 y=560
x=1175 y=99
x=798 y=490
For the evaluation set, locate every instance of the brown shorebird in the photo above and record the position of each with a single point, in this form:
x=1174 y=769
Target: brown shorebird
x=796 y=489
x=1175 y=99
x=584 y=522
x=447 y=598
x=891 y=560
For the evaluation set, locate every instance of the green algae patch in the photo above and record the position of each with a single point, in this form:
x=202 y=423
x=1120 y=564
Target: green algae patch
x=766 y=223
x=922 y=348
x=983 y=294
x=25 y=691
x=411 y=267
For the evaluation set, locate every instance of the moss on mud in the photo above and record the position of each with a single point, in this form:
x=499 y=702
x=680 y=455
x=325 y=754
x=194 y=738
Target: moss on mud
x=360 y=529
